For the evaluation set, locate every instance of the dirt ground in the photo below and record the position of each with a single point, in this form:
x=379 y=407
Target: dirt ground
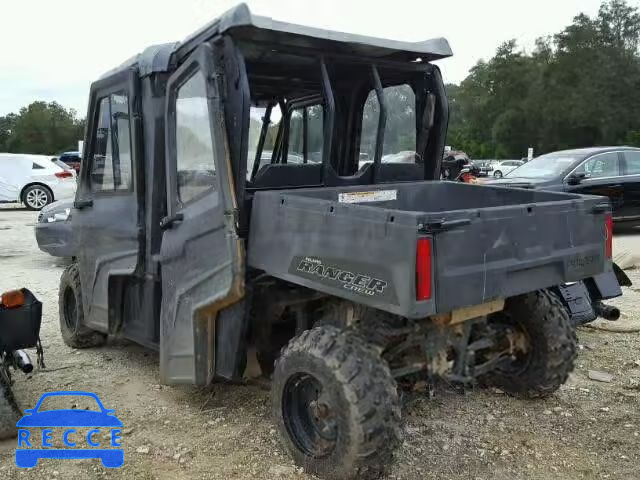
x=587 y=430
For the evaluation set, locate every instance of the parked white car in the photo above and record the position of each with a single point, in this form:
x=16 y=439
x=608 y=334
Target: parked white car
x=505 y=167
x=34 y=180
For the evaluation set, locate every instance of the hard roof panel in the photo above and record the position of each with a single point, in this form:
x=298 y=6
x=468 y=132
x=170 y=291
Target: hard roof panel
x=239 y=21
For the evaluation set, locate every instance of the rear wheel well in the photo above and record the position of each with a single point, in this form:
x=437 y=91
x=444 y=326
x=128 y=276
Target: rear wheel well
x=24 y=189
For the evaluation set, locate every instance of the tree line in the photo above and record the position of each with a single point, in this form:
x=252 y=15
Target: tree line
x=41 y=128
x=577 y=88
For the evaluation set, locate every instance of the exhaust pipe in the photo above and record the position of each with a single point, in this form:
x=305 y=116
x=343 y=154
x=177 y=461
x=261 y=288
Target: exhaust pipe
x=607 y=312
x=22 y=361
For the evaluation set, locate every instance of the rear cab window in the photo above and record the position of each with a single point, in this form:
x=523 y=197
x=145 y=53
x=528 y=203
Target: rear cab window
x=400 y=130
x=305 y=134
x=303 y=128
x=257 y=121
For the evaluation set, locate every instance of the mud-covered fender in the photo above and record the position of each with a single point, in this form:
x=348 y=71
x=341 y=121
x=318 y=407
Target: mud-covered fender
x=623 y=279
x=607 y=284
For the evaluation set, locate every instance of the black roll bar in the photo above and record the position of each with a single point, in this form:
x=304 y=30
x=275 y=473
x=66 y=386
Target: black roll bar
x=266 y=121
x=435 y=148
x=329 y=119
x=382 y=122
x=280 y=137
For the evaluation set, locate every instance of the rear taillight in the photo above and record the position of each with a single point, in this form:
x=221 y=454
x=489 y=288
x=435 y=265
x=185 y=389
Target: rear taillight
x=608 y=231
x=64 y=174
x=423 y=269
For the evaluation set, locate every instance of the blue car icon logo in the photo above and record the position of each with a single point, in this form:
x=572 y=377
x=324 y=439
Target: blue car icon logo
x=35 y=433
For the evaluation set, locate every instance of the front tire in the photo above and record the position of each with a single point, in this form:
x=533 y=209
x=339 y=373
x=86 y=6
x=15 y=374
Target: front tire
x=71 y=312
x=335 y=404
x=35 y=197
x=550 y=345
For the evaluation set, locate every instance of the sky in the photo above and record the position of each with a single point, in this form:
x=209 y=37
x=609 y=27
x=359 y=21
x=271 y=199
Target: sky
x=53 y=50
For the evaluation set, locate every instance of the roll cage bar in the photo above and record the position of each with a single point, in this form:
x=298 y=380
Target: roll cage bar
x=435 y=103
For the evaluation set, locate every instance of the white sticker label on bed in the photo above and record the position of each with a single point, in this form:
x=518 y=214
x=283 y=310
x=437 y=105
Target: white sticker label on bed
x=363 y=197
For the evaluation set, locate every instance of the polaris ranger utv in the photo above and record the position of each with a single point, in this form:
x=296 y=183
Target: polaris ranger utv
x=275 y=188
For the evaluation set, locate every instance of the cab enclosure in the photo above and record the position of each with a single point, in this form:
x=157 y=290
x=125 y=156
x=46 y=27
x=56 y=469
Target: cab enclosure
x=247 y=183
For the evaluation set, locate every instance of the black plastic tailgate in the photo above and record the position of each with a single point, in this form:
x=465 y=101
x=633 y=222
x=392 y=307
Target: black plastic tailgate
x=505 y=251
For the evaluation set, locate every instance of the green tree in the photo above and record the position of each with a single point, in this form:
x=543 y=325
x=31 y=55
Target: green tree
x=576 y=88
x=44 y=128
x=7 y=124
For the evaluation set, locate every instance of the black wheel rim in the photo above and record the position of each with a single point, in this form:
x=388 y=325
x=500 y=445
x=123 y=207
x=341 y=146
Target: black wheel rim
x=308 y=415
x=70 y=309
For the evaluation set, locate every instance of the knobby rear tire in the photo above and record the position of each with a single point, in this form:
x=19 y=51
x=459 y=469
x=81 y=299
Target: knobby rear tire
x=363 y=394
x=552 y=346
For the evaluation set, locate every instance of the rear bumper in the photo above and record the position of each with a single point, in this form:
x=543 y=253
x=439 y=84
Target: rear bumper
x=55 y=238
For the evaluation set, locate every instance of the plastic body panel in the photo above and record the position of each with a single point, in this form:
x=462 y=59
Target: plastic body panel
x=488 y=242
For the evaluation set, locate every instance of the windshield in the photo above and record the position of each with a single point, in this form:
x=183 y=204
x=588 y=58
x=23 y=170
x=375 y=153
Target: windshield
x=545 y=166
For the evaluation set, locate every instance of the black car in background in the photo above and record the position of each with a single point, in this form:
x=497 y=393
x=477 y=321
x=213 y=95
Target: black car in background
x=613 y=172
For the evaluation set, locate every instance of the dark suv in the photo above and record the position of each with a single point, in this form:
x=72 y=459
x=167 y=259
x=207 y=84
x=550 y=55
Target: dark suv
x=610 y=171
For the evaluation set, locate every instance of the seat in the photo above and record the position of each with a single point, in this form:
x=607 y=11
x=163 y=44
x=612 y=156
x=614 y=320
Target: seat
x=284 y=175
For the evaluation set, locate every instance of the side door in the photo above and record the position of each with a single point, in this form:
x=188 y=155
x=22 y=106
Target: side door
x=601 y=175
x=105 y=214
x=631 y=185
x=201 y=256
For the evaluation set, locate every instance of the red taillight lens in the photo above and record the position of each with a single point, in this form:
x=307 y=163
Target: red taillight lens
x=423 y=269
x=608 y=231
x=64 y=174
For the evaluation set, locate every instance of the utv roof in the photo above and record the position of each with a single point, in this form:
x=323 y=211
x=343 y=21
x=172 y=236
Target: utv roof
x=243 y=25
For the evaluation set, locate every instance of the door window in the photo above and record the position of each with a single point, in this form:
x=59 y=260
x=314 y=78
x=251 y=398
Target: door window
x=603 y=165
x=111 y=155
x=633 y=163
x=196 y=170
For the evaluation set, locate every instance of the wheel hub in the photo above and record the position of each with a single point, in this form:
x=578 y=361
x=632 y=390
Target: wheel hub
x=37 y=198
x=309 y=416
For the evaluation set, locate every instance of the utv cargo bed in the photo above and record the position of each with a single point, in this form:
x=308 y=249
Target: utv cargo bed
x=416 y=249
